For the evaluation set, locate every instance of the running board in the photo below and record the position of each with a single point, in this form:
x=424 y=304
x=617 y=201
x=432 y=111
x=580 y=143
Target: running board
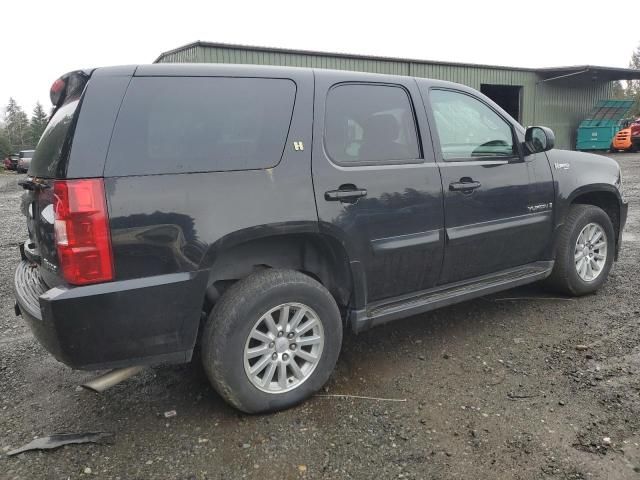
x=420 y=302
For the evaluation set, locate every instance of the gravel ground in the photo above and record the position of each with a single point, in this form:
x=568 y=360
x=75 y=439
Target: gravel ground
x=494 y=389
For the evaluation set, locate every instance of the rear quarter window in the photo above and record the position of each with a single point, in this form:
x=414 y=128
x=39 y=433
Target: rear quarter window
x=200 y=124
x=48 y=158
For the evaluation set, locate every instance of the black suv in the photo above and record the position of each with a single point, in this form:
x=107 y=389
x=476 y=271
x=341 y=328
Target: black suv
x=259 y=211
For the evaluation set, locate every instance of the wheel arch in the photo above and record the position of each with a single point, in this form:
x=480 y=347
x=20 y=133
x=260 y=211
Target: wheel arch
x=297 y=247
x=605 y=197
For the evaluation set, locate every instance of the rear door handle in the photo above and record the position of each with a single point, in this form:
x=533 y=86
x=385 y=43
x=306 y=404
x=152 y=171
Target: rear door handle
x=464 y=186
x=347 y=196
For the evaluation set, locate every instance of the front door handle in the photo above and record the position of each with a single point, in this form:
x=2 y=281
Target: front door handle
x=465 y=187
x=345 y=195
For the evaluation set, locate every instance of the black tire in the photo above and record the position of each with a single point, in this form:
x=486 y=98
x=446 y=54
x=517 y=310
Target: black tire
x=564 y=277
x=234 y=316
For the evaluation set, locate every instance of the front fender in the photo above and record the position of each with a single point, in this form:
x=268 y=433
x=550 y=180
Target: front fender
x=579 y=173
x=592 y=178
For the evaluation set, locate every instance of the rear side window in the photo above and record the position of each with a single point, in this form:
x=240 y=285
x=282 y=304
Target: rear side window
x=196 y=124
x=370 y=124
x=54 y=141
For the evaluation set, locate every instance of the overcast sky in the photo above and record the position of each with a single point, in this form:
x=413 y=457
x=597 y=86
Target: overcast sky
x=43 y=39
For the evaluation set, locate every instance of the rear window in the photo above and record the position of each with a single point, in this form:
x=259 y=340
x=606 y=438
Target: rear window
x=55 y=141
x=26 y=153
x=195 y=124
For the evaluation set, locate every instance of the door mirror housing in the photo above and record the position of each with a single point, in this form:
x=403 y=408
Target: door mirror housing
x=538 y=139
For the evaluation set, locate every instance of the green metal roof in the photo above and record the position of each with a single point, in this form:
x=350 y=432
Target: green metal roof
x=594 y=71
x=607 y=113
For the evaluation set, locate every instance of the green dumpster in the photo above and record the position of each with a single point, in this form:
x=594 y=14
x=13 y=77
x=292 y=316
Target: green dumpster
x=596 y=132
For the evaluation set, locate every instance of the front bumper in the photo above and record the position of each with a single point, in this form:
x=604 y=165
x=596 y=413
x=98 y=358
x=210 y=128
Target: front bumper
x=624 y=209
x=117 y=324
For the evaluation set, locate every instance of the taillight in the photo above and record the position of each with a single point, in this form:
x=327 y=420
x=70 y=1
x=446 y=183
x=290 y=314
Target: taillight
x=56 y=91
x=82 y=231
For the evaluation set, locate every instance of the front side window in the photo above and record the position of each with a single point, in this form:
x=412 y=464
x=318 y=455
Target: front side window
x=370 y=124
x=468 y=128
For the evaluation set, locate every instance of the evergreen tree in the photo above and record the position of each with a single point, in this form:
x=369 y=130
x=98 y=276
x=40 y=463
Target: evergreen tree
x=633 y=86
x=39 y=121
x=5 y=145
x=17 y=126
x=619 y=92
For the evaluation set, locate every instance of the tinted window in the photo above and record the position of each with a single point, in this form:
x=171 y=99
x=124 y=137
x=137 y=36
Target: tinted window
x=369 y=124
x=55 y=138
x=176 y=125
x=469 y=128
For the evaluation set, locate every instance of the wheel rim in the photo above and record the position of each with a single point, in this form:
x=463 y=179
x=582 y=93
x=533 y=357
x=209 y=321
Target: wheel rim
x=590 y=254
x=283 y=348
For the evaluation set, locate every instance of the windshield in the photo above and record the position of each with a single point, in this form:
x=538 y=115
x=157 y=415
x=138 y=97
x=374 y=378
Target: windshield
x=53 y=145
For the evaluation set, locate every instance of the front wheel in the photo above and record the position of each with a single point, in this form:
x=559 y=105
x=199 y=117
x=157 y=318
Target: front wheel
x=271 y=341
x=584 y=252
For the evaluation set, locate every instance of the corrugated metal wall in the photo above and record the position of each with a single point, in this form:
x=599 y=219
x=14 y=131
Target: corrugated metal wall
x=562 y=105
x=559 y=105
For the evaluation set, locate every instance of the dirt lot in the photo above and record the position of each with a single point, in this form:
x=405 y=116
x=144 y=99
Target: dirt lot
x=494 y=388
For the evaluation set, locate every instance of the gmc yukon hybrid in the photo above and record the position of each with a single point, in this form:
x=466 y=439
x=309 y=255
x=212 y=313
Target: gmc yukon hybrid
x=259 y=211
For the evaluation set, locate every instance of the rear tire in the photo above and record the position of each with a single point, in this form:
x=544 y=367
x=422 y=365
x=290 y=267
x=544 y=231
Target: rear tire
x=575 y=257
x=255 y=322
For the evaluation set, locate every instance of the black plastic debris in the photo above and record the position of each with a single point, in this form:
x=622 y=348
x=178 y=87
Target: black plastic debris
x=59 y=439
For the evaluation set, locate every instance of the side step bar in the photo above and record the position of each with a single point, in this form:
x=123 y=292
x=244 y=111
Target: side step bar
x=420 y=302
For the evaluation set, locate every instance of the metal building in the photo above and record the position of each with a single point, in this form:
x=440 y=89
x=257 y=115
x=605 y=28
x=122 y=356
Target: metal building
x=555 y=97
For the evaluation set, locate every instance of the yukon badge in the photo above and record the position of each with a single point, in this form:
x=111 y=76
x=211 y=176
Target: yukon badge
x=540 y=207
x=562 y=166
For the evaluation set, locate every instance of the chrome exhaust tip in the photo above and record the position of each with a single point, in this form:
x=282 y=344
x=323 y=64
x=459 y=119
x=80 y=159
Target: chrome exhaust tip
x=108 y=380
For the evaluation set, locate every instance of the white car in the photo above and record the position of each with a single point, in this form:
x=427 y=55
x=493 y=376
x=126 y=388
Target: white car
x=24 y=160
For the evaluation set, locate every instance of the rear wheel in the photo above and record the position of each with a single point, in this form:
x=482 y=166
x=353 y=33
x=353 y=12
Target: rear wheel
x=584 y=252
x=271 y=341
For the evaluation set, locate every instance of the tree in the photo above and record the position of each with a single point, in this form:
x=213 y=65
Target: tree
x=633 y=86
x=5 y=145
x=39 y=121
x=17 y=126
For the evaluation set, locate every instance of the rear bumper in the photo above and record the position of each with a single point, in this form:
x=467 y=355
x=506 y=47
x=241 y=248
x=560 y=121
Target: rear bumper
x=117 y=324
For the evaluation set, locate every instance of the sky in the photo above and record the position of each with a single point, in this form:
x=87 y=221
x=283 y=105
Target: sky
x=43 y=39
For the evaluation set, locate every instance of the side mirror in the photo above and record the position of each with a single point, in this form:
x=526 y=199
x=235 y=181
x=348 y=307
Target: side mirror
x=538 y=139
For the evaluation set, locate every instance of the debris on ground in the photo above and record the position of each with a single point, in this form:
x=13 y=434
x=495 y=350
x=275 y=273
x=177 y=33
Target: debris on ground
x=363 y=398
x=59 y=439
x=517 y=396
x=170 y=413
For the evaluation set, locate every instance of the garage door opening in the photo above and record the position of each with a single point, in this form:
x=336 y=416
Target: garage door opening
x=507 y=96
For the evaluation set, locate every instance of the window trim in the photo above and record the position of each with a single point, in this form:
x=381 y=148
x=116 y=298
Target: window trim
x=517 y=156
x=416 y=125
